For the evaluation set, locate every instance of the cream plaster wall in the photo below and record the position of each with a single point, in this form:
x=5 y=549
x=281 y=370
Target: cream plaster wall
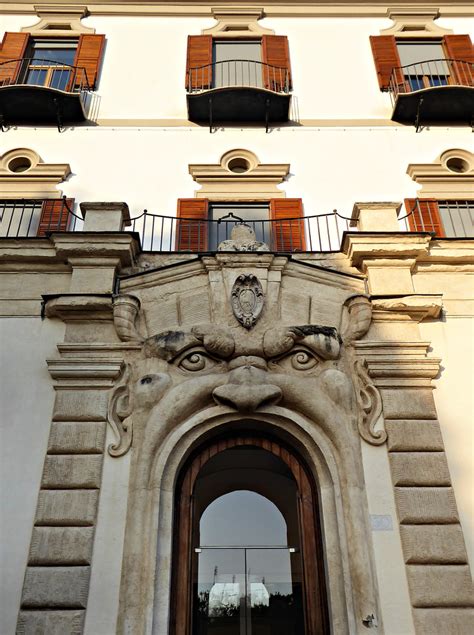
x=453 y=341
x=26 y=398
x=329 y=167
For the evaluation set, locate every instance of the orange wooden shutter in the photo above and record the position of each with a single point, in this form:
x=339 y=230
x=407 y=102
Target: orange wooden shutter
x=276 y=54
x=199 y=62
x=54 y=216
x=287 y=234
x=192 y=229
x=13 y=48
x=88 y=57
x=424 y=216
x=386 y=58
x=459 y=47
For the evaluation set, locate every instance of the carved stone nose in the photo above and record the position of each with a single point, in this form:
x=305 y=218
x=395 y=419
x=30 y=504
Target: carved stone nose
x=247 y=390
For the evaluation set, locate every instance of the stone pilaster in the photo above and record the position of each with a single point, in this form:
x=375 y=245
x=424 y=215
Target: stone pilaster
x=432 y=540
x=56 y=582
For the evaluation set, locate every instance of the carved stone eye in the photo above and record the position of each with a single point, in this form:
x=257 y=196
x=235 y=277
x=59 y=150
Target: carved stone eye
x=146 y=380
x=194 y=361
x=300 y=359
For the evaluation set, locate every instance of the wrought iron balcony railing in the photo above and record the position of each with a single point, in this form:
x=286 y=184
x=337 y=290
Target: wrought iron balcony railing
x=430 y=74
x=32 y=71
x=239 y=73
x=158 y=233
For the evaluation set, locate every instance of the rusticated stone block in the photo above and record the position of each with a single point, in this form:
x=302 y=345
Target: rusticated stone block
x=61 y=545
x=75 y=437
x=440 y=585
x=446 y=621
x=50 y=622
x=81 y=405
x=408 y=403
x=56 y=587
x=72 y=470
x=67 y=507
x=414 y=435
x=419 y=468
x=433 y=544
x=426 y=505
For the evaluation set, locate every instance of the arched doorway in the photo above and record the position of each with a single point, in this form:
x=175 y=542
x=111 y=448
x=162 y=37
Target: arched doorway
x=248 y=557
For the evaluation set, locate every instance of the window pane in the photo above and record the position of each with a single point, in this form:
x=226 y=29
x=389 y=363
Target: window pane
x=457 y=218
x=424 y=58
x=36 y=77
x=60 y=79
x=237 y=64
x=256 y=216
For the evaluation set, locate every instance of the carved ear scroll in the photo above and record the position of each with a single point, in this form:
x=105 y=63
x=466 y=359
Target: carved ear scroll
x=120 y=408
x=126 y=308
x=370 y=406
x=356 y=318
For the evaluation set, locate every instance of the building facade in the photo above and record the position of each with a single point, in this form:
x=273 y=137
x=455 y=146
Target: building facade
x=236 y=318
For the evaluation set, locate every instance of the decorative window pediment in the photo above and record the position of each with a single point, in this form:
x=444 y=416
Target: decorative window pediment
x=450 y=176
x=23 y=174
x=59 y=21
x=236 y=22
x=414 y=23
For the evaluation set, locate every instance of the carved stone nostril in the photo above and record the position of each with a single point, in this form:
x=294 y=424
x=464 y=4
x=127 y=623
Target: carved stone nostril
x=246 y=397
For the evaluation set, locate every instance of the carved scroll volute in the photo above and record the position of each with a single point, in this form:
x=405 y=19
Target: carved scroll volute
x=120 y=409
x=126 y=308
x=355 y=322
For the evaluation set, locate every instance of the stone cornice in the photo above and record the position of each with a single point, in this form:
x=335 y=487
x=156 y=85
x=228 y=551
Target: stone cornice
x=69 y=307
x=417 y=306
x=362 y=246
x=198 y=8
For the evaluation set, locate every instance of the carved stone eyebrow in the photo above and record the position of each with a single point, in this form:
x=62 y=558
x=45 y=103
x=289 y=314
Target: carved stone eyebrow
x=169 y=344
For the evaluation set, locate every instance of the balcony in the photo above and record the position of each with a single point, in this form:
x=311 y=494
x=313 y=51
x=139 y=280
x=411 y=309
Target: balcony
x=439 y=91
x=39 y=91
x=238 y=91
x=446 y=219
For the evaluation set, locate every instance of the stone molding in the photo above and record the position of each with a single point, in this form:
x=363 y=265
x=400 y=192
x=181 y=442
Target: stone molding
x=439 y=180
x=258 y=181
x=414 y=22
x=237 y=22
x=417 y=306
x=59 y=21
x=35 y=179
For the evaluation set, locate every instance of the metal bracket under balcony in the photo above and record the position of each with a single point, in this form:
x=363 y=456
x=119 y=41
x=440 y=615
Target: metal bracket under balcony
x=238 y=91
x=35 y=91
x=433 y=92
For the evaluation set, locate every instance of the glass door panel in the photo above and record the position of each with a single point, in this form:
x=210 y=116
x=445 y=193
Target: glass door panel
x=248 y=591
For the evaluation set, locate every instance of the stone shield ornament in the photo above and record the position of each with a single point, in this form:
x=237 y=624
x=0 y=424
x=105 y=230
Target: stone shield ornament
x=247 y=299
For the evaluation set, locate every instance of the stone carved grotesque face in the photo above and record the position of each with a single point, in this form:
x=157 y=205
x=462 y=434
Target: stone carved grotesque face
x=305 y=369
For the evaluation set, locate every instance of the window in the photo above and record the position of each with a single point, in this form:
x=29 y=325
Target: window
x=50 y=62
x=202 y=224
x=237 y=63
x=23 y=218
x=448 y=218
x=66 y=63
x=423 y=63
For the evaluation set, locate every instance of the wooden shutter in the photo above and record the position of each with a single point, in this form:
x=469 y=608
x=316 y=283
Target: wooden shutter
x=276 y=54
x=199 y=62
x=54 y=216
x=13 y=48
x=287 y=234
x=88 y=57
x=192 y=230
x=424 y=216
x=386 y=58
x=459 y=47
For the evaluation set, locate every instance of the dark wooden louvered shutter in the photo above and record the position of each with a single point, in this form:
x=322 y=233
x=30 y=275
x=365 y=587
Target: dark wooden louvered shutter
x=88 y=57
x=55 y=216
x=459 y=47
x=276 y=53
x=199 y=62
x=192 y=226
x=386 y=58
x=424 y=215
x=288 y=230
x=13 y=48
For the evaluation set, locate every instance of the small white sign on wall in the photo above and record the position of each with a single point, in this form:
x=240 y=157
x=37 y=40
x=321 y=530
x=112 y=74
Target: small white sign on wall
x=381 y=522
